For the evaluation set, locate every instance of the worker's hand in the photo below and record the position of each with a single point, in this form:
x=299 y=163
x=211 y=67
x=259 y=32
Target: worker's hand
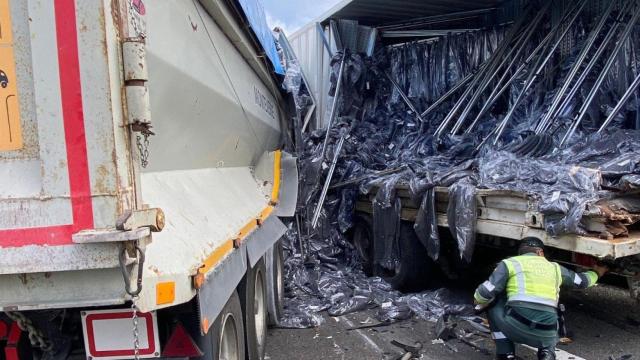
x=600 y=269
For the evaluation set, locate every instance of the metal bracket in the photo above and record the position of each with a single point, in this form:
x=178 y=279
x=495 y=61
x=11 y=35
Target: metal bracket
x=111 y=235
x=150 y=218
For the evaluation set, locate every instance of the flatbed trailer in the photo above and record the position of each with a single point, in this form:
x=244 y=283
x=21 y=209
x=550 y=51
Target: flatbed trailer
x=513 y=215
x=503 y=219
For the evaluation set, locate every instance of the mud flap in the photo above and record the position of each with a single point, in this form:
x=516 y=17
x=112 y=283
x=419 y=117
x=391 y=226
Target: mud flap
x=219 y=284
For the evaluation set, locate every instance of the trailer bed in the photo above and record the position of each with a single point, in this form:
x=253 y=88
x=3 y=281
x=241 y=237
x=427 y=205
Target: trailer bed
x=513 y=215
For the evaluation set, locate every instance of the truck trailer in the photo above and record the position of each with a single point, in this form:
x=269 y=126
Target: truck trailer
x=144 y=179
x=493 y=61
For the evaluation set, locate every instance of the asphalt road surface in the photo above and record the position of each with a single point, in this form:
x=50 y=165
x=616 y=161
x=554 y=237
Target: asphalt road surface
x=604 y=323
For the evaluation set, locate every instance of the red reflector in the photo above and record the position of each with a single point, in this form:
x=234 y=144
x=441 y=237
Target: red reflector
x=181 y=344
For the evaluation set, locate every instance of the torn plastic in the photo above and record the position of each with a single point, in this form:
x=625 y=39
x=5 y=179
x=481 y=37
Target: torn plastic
x=461 y=215
x=331 y=280
x=426 y=225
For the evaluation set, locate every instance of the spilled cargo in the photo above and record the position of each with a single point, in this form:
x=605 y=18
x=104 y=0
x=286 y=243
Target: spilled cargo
x=444 y=139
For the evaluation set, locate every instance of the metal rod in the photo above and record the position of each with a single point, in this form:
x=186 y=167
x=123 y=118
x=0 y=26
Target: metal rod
x=503 y=125
x=623 y=100
x=500 y=88
x=590 y=66
x=334 y=105
x=603 y=75
x=325 y=188
x=448 y=94
x=480 y=75
x=517 y=48
x=307 y=117
x=323 y=36
x=576 y=67
x=404 y=97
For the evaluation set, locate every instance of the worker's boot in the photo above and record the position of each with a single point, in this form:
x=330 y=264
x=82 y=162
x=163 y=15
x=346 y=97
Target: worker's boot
x=509 y=356
x=547 y=354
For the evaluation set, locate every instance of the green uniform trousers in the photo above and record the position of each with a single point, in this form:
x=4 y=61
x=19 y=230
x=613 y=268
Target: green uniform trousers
x=508 y=331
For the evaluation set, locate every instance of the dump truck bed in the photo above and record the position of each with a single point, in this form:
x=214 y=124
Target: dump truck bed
x=87 y=81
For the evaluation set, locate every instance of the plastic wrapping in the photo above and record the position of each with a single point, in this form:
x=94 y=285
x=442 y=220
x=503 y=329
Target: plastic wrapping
x=426 y=225
x=330 y=279
x=461 y=215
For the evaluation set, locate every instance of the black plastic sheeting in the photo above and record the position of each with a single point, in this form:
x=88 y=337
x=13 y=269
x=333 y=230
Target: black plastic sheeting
x=330 y=279
x=384 y=135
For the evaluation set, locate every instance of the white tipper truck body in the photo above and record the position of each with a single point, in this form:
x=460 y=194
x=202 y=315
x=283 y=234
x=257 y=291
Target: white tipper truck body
x=85 y=81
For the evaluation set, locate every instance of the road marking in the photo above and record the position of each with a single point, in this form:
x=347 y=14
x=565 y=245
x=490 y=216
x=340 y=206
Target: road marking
x=560 y=354
x=363 y=335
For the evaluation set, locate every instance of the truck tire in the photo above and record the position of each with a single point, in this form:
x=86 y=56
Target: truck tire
x=253 y=297
x=414 y=270
x=277 y=270
x=362 y=240
x=227 y=332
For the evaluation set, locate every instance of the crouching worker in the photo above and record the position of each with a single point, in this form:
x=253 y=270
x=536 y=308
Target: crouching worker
x=522 y=299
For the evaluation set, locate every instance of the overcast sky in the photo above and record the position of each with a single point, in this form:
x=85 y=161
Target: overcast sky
x=290 y=15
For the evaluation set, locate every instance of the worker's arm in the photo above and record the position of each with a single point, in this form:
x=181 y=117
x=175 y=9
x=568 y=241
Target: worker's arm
x=490 y=289
x=582 y=280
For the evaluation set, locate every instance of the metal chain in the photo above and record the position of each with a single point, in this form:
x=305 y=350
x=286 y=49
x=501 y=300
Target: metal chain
x=143 y=148
x=136 y=334
x=36 y=337
x=135 y=21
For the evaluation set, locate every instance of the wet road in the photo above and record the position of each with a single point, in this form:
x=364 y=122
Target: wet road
x=604 y=323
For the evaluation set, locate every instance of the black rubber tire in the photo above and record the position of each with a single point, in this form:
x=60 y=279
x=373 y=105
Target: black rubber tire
x=255 y=347
x=362 y=240
x=415 y=269
x=232 y=311
x=278 y=282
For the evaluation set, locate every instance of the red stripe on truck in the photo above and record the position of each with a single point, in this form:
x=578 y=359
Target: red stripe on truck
x=71 y=94
x=75 y=140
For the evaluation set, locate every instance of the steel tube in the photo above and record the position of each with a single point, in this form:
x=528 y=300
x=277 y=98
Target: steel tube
x=594 y=60
x=327 y=182
x=623 y=100
x=500 y=88
x=488 y=65
x=576 y=67
x=580 y=6
x=448 y=94
x=404 y=97
x=518 y=48
x=334 y=105
x=603 y=75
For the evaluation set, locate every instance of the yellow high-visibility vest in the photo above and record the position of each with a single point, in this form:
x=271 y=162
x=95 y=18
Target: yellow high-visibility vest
x=533 y=279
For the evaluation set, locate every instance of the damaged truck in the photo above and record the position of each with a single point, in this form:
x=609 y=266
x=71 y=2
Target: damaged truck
x=144 y=175
x=438 y=133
